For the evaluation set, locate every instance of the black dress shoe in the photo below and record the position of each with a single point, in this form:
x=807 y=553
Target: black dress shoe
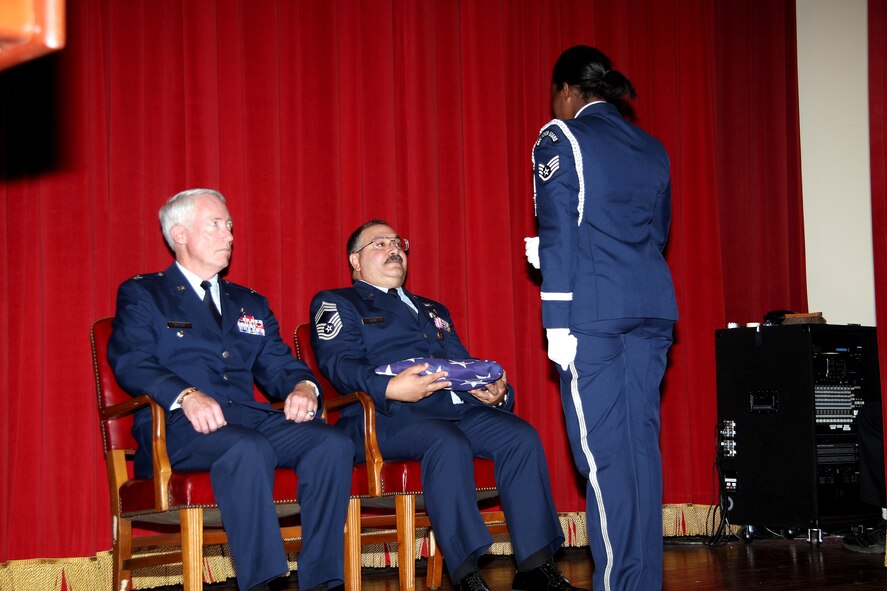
x=275 y=584
x=868 y=542
x=326 y=587
x=543 y=578
x=471 y=582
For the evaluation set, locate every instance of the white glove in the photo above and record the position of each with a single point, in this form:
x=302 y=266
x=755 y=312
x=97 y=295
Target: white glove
x=532 y=250
x=561 y=346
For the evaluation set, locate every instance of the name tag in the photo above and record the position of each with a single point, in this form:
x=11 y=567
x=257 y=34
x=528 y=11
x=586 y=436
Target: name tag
x=373 y=320
x=171 y=324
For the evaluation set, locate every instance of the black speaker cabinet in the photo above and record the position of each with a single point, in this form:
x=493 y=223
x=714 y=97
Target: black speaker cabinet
x=788 y=401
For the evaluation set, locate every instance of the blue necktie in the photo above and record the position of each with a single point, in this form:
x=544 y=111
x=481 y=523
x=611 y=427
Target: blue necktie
x=209 y=303
x=393 y=291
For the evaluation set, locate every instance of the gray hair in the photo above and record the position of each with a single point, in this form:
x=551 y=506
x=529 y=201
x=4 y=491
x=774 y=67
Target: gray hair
x=179 y=209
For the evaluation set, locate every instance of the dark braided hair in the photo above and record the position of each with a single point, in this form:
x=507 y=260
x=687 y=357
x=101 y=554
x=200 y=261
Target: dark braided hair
x=590 y=71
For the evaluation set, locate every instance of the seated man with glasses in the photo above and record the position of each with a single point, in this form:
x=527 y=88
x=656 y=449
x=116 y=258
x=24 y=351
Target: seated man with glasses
x=421 y=415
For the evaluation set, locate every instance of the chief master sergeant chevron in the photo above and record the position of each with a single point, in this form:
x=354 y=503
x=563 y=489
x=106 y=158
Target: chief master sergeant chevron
x=377 y=322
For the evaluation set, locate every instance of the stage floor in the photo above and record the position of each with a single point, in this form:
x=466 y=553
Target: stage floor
x=763 y=565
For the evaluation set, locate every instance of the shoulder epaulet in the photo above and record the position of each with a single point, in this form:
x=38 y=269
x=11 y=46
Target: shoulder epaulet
x=232 y=285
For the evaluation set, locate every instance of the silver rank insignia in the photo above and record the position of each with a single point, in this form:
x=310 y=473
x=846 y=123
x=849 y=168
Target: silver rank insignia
x=327 y=321
x=546 y=170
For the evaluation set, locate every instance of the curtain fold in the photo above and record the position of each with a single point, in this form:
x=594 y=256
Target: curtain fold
x=877 y=72
x=758 y=158
x=312 y=117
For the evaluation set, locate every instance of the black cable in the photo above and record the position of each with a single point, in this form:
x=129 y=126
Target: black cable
x=721 y=490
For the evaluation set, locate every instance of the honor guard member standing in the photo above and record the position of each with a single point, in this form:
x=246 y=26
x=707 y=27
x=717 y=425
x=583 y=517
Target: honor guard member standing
x=603 y=199
x=171 y=342
x=377 y=322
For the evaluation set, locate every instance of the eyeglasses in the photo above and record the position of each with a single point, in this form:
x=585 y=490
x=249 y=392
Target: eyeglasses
x=383 y=242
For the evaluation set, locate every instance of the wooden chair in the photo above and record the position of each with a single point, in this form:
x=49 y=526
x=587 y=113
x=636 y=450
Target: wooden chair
x=180 y=506
x=399 y=480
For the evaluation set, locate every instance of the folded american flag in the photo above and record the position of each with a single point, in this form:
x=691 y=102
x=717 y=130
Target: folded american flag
x=465 y=374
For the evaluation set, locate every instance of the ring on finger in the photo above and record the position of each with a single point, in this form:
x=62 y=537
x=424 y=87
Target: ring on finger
x=311 y=413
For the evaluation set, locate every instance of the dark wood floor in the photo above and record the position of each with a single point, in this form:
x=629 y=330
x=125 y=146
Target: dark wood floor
x=764 y=565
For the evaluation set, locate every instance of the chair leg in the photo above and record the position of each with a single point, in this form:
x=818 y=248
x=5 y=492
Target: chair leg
x=192 y=548
x=435 y=563
x=352 y=546
x=405 y=513
x=121 y=553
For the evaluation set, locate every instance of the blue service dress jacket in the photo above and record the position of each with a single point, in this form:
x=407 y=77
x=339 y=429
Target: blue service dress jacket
x=601 y=238
x=360 y=328
x=165 y=340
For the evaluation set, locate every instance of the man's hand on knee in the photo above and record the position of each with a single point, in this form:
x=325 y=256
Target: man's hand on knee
x=204 y=412
x=301 y=404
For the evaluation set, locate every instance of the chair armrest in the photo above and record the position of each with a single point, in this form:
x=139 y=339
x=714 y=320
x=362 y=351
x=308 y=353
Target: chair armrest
x=373 y=456
x=372 y=453
x=109 y=413
x=159 y=457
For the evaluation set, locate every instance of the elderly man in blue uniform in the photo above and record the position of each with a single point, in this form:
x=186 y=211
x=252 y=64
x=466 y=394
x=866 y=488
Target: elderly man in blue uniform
x=377 y=322
x=196 y=345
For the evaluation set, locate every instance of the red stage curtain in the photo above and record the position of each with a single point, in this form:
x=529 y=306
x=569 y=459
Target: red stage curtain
x=759 y=159
x=312 y=117
x=877 y=53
